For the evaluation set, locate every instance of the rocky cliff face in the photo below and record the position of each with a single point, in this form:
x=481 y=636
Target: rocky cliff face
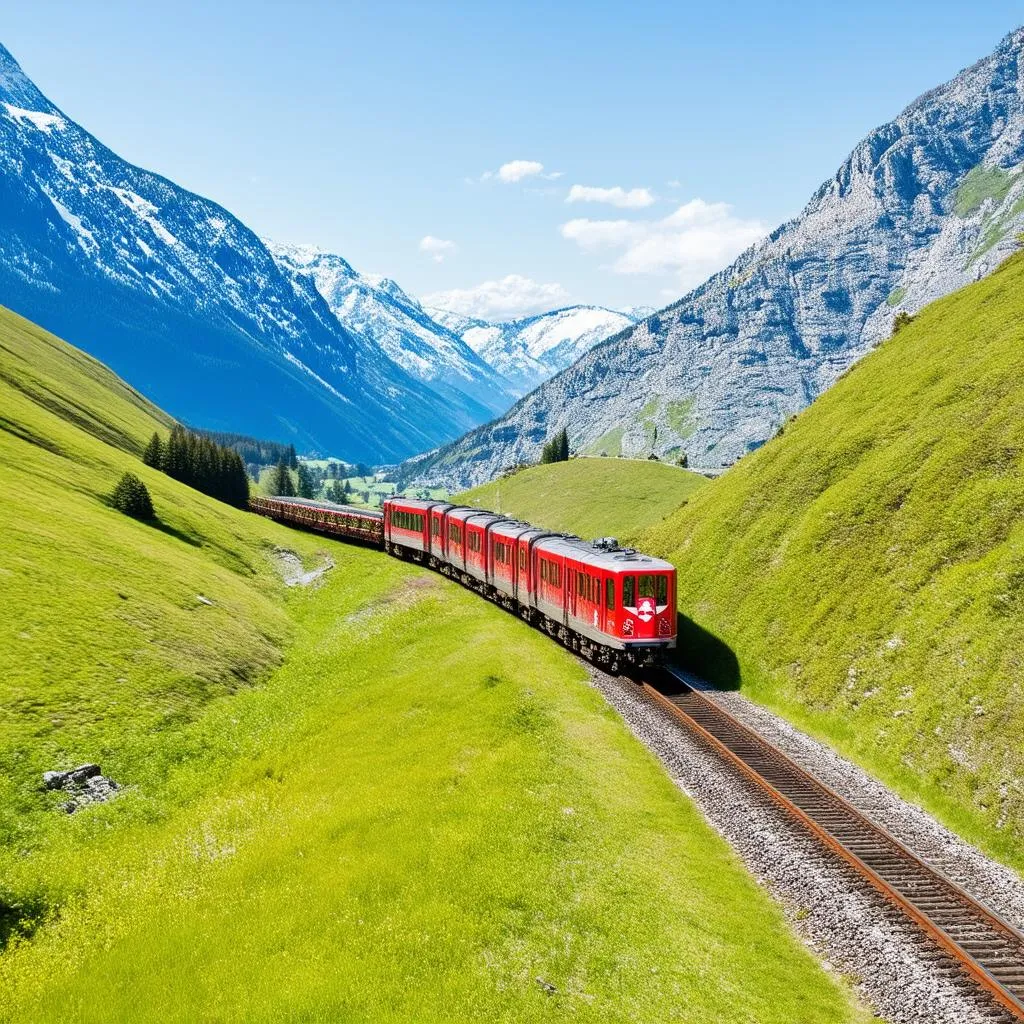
x=185 y=302
x=530 y=350
x=922 y=206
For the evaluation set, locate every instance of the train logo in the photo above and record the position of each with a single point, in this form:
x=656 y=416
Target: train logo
x=645 y=610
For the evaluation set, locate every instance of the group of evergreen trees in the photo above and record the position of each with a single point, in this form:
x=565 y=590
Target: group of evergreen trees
x=253 y=450
x=202 y=463
x=557 y=449
x=303 y=485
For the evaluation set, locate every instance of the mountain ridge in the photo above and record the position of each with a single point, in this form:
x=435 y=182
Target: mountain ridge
x=182 y=299
x=530 y=349
x=922 y=205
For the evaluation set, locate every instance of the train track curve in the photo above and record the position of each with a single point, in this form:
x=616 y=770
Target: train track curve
x=986 y=948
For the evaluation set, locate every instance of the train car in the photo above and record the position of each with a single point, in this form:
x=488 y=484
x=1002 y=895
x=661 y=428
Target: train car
x=365 y=525
x=612 y=604
x=509 y=561
x=407 y=526
x=465 y=540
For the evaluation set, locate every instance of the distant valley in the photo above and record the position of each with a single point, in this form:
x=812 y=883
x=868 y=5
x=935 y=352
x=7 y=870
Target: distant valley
x=226 y=332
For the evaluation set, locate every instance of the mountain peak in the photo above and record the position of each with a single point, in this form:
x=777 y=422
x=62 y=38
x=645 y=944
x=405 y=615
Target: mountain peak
x=925 y=204
x=17 y=89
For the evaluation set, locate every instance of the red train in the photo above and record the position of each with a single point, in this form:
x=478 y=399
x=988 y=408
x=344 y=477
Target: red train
x=613 y=605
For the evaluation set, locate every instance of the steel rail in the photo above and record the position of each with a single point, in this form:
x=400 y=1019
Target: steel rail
x=985 y=947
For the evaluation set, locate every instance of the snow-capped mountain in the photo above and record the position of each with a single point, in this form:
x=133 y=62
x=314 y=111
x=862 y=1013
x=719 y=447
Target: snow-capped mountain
x=378 y=309
x=185 y=302
x=526 y=352
x=923 y=205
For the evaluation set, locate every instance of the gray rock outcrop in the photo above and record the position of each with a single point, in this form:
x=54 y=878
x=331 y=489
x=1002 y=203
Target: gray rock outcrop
x=923 y=205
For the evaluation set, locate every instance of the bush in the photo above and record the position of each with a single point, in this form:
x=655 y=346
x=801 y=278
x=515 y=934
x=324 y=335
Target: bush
x=902 y=319
x=131 y=497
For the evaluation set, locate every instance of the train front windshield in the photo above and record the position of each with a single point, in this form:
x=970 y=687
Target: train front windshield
x=647 y=584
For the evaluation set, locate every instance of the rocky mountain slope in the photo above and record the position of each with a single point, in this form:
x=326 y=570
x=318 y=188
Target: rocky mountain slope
x=378 y=309
x=528 y=351
x=923 y=205
x=184 y=301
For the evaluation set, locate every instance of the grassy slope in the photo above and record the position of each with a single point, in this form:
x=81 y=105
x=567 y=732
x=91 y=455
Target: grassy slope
x=106 y=653
x=402 y=822
x=867 y=567
x=590 y=497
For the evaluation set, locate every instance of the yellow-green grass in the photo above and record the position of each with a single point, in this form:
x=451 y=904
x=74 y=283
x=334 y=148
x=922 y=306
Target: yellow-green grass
x=106 y=650
x=424 y=811
x=419 y=812
x=866 y=568
x=590 y=497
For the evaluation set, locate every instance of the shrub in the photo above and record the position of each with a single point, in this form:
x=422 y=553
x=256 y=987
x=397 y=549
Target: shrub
x=131 y=497
x=902 y=319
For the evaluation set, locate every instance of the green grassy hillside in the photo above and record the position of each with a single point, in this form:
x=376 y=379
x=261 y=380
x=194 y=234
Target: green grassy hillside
x=590 y=497
x=867 y=567
x=334 y=808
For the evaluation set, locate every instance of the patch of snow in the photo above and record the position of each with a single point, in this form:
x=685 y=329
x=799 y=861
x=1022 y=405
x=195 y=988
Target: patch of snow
x=83 y=235
x=302 y=366
x=44 y=122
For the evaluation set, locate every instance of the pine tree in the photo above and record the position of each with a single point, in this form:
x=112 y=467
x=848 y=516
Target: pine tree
x=131 y=497
x=307 y=487
x=563 y=446
x=293 y=459
x=154 y=453
x=281 y=481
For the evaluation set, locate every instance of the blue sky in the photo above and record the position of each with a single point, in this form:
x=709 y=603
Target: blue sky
x=379 y=130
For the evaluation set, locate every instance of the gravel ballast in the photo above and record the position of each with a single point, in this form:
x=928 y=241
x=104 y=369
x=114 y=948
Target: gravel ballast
x=849 y=925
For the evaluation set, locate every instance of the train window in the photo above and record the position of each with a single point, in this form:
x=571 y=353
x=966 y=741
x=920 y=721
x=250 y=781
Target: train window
x=454 y=533
x=544 y=570
x=662 y=589
x=435 y=526
x=522 y=559
x=629 y=591
x=609 y=593
x=580 y=590
x=556 y=574
x=647 y=585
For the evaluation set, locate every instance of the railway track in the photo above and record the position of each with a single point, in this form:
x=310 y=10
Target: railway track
x=985 y=948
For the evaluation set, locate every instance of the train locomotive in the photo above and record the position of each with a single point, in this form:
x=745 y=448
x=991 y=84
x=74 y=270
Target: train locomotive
x=613 y=605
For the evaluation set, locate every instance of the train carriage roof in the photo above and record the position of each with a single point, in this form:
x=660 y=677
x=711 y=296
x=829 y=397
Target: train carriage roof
x=329 y=506
x=603 y=555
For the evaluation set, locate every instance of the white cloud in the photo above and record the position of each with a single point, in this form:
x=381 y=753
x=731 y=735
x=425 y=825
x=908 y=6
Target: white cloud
x=674 y=183
x=554 y=175
x=634 y=199
x=437 y=248
x=513 y=295
x=516 y=170
x=694 y=242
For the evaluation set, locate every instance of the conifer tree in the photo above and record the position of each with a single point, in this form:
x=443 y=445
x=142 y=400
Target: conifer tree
x=281 y=482
x=154 y=453
x=307 y=488
x=131 y=497
x=293 y=459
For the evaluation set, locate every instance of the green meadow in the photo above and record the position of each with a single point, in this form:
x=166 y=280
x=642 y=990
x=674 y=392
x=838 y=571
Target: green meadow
x=865 y=569
x=591 y=497
x=375 y=799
